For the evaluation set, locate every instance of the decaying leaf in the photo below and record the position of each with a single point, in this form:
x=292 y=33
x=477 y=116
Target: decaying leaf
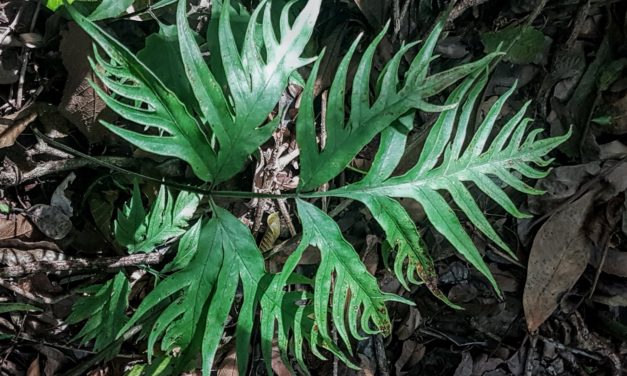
x=80 y=104
x=59 y=198
x=50 y=220
x=559 y=256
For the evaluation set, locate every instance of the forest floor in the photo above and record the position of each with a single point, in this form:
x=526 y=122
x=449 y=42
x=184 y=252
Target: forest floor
x=568 y=284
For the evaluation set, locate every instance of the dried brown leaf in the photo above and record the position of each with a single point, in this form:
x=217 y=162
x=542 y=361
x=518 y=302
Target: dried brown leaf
x=228 y=366
x=277 y=363
x=375 y=11
x=33 y=369
x=558 y=257
x=14 y=227
x=80 y=104
x=464 y=368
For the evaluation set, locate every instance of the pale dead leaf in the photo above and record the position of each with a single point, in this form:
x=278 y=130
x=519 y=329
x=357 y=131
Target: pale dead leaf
x=367 y=365
x=611 y=293
x=464 y=368
x=370 y=255
x=612 y=150
x=375 y=11
x=54 y=359
x=13 y=257
x=617 y=180
x=59 y=197
x=558 y=257
x=277 y=363
x=484 y=364
x=562 y=183
x=14 y=226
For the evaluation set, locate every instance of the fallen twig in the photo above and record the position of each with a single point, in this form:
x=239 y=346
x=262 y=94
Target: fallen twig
x=74 y=265
x=9 y=178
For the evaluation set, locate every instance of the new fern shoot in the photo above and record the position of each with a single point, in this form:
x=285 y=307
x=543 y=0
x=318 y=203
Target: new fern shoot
x=185 y=315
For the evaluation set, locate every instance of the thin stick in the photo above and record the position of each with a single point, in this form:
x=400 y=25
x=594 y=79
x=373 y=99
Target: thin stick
x=597 y=274
x=25 y=57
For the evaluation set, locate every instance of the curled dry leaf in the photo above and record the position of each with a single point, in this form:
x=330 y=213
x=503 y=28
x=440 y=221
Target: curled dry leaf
x=412 y=321
x=464 y=368
x=12 y=126
x=59 y=198
x=559 y=256
x=561 y=184
x=228 y=366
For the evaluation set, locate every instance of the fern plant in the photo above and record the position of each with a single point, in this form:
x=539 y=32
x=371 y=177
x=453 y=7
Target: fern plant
x=193 y=301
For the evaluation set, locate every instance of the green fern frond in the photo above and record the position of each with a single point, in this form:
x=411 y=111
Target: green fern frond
x=291 y=315
x=369 y=117
x=201 y=291
x=139 y=96
x=139 y=231
x=444 y=165
x=231 y=125
x=230 y=122
x=104 y=312
x=353 y=284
